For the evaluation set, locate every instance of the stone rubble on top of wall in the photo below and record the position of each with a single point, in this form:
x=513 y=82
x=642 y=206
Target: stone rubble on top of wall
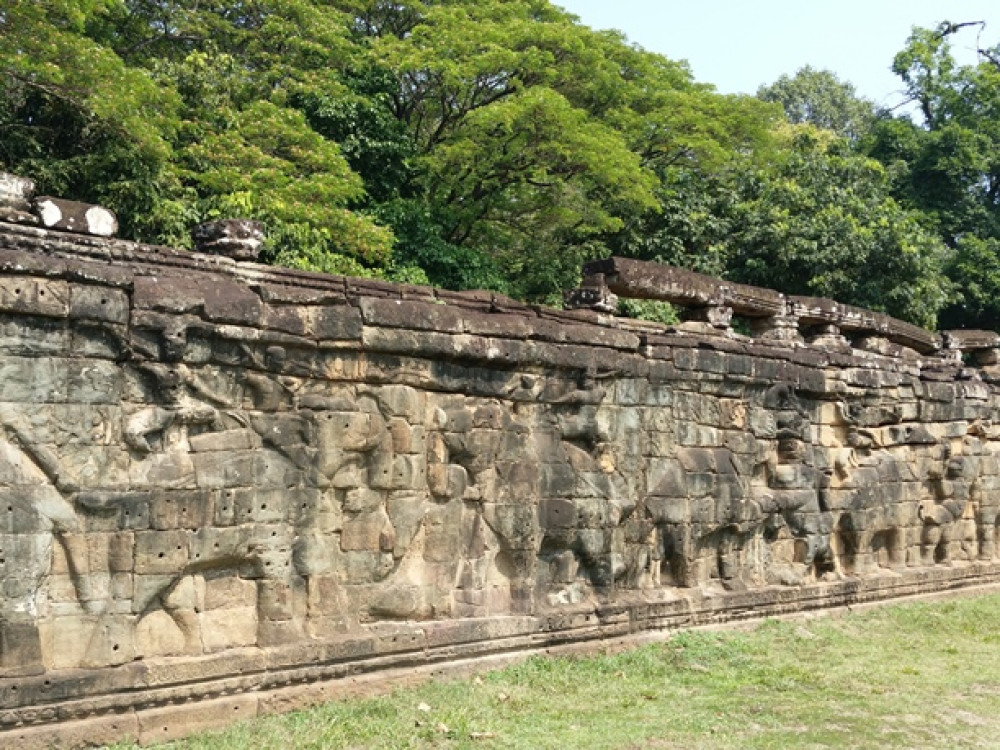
x=221 y=480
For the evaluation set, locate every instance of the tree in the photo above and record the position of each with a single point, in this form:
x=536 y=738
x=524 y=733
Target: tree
x=173 y=113
x=820 y=98
x=823 y=223
x=75 y=117
x=946 y=166
x=816 y=219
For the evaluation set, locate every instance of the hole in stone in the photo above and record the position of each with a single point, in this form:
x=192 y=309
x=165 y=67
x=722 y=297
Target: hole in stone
x=17 y=291
x=263 y=506
x=104 y=302
x=274 y=533
x=115 y=647
x=160 y=555
x=41 y=293
x=178 y=546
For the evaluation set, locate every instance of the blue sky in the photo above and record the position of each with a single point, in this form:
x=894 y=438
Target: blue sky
x=740 y=44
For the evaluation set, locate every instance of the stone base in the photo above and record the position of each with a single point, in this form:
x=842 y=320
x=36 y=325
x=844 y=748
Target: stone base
x=186 y=695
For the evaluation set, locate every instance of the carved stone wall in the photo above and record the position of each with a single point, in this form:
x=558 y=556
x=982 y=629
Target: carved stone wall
x=224 y=485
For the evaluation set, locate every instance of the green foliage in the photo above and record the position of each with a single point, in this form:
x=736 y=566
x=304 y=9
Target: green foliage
x=819 y=98
x=823 y=224
x=975 y=271
x=648 y=309
x=947 y=167
x=419 y=243
x=817 y=220
x=175 y=113
x=501 y=144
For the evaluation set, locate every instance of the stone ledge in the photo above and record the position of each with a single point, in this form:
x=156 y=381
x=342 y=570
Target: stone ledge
x=188 y=699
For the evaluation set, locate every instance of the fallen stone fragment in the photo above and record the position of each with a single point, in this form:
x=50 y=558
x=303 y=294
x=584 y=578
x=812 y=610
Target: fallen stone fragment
x=72 y=216
x=240 y=239
x=16 y=192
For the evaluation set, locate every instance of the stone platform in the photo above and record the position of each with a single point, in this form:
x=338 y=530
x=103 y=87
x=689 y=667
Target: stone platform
x=230 y=489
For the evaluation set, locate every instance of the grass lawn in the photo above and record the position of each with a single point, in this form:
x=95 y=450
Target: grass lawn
x=908 y=676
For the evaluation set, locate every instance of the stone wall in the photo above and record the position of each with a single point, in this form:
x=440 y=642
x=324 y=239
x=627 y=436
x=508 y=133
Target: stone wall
x=227 y=486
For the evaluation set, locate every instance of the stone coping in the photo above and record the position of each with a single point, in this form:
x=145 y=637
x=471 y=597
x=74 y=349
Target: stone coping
x=166 y=279
x=645 y=280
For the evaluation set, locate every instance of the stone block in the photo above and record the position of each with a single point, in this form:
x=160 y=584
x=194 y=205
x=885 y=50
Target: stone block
x=159 y=552
x=72 y=216
x=666 y=477
x=181 y=509
x=315 y=553
x=20 y=647
x=674 y=510
x=91 y=730
x=33 y=337
x=101 y=303
x=176 y=721
x=336 y=323
x=515 y=525
x=173 y=470
x=409 y=472
x=367 y=531
x=225 y=591
x=288 y=318
x=347 y=431
x=396 y=313
x=229 y=469
x=240 y=239
x=558 y=480
x=558 y=513
x=30 y=380
x=225 y=440
x=16 y=192
x=366 y=566
x=231 y=302
x=443 y=528
x=402 y=401
x=229 y=627
x=95 y=382
x=363 y=500
x=31 y=296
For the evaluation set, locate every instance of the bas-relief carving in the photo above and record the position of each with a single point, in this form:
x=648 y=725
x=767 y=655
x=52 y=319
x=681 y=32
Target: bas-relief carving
x=185 y=506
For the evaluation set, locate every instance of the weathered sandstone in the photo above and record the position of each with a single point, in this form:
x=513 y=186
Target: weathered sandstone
x=226 y=487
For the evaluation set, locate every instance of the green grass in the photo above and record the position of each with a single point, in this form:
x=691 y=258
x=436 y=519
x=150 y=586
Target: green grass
x=909 y=676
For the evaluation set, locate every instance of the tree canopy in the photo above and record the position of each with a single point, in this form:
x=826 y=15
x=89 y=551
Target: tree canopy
x=501 y=143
